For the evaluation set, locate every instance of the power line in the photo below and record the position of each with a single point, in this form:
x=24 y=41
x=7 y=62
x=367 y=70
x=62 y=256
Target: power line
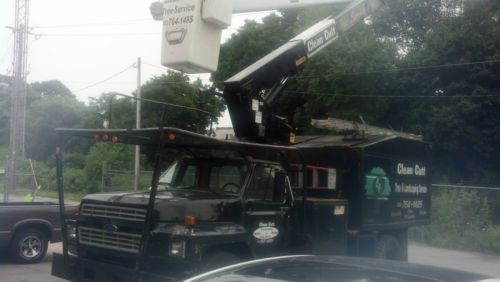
x=117 y=22
x=422 y=67
x=164 y=103
x=102 y=81
x=120 y=22
x=156 y=66
x=102 y=34
x=395 y=96
x=169 y=69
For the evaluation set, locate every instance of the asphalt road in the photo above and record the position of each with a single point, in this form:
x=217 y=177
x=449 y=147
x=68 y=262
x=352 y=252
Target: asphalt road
x=40 y=272
x=467 y=261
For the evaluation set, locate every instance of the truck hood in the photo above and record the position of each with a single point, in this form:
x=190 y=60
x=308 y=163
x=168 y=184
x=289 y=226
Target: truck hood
x=173 y=205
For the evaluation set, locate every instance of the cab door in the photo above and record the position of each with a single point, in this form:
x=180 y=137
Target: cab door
x=267 y=210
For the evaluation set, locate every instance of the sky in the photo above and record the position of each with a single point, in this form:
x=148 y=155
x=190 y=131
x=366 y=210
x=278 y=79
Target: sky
x=83 y=42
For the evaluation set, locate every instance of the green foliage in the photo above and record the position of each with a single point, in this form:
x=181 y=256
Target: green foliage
x=75 y=180
x=51 y=105
x=252 y=42
x=118 y=112
x=356 y=76
x=51 y=88
x=175 y=88
x=463 y=130
x=460 y=219
x=117 y=156
x=43 y=116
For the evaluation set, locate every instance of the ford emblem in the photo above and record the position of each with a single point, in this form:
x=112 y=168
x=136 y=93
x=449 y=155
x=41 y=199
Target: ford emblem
x=110 y=228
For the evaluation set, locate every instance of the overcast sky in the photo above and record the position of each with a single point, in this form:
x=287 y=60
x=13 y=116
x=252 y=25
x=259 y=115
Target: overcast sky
x=84 y=42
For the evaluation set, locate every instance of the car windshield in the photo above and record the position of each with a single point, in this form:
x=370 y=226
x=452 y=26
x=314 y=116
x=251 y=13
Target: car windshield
x=205 y=175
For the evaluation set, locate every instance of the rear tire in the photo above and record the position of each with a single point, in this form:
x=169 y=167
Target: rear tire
x=29 y=246
x=388 y=247
x=219 y=259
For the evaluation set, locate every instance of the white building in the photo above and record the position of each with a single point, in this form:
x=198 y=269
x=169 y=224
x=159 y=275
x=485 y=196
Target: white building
x=224 y=133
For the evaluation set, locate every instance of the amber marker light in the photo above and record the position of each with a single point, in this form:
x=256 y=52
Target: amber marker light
x=190 y=220
x=171 y=137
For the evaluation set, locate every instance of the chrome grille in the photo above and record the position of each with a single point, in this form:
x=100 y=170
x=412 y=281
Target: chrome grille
x=114 y=212
x=118 y=241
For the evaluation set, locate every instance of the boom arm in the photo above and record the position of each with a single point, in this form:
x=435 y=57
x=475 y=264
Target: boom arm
x=244 y=6
x=249 y=93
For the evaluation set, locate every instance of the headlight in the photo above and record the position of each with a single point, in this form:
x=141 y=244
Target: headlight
x=177 y=249
x=71 y=229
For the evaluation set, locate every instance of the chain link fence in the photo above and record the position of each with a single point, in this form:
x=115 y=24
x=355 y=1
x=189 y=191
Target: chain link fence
x=114 y=180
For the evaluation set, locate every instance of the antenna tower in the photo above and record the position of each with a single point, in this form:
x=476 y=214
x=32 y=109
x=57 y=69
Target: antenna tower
x=21 y=31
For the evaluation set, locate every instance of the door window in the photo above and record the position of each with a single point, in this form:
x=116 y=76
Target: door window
x=262 y=185
x=189 y=177
x=227 y=178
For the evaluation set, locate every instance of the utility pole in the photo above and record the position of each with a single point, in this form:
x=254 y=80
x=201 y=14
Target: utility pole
x=137 y=164
x=18 y=95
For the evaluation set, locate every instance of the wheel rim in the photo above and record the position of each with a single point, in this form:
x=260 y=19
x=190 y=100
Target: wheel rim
x=31 y=247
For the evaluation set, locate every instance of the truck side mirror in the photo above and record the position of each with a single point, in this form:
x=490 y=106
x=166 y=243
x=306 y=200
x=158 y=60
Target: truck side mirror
x=279 y=187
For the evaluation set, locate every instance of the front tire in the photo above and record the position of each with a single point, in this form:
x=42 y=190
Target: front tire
x=29 y=246
x=388 y=247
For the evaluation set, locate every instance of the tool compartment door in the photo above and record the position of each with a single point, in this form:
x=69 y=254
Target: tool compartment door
x=328 y=225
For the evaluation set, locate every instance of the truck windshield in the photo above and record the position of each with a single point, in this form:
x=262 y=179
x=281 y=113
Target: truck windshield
x=205 y=175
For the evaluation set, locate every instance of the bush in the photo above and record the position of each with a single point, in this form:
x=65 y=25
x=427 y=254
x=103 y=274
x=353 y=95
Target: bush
x=118 y=156
x=492 y=239
x=459 y=219
x=74 y=180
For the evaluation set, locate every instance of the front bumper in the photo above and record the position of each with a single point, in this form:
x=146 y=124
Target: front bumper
x=82 y=270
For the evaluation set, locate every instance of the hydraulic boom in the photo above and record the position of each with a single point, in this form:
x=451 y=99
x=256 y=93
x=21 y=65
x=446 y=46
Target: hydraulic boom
x=250 y=93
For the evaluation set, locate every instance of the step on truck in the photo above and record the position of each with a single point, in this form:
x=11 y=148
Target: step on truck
x=221 y=202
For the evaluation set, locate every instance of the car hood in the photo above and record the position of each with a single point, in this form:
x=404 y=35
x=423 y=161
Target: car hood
x=317 y=268
x=173 y=205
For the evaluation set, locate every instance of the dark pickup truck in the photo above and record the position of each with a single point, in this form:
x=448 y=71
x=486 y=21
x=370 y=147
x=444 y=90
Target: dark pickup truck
x=27 y=228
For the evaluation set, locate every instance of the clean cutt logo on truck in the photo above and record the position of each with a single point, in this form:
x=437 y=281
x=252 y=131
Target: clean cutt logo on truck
x=320 y=40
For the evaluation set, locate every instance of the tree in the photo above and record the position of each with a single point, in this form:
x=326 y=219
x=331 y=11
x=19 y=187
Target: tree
x=387 y=70
x=116 y=156
x=463 y=130
x=112 y=110
x=322 y=89
x=175 y=88
x=43 y=116
x=51 y=88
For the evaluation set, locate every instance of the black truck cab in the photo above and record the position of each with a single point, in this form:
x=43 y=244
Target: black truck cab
x=208 y=212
